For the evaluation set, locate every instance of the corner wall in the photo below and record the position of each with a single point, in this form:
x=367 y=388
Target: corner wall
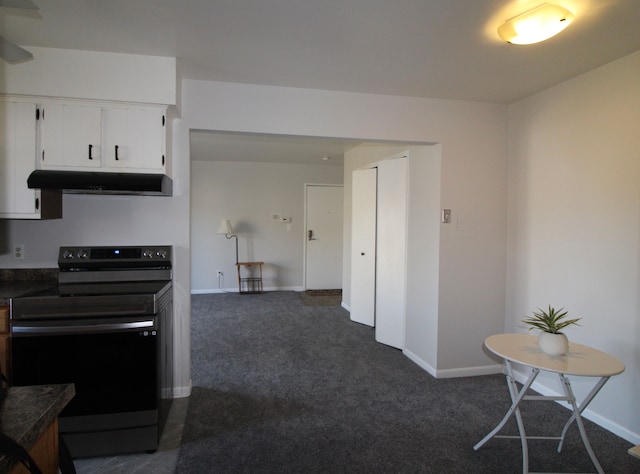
x=574 y=223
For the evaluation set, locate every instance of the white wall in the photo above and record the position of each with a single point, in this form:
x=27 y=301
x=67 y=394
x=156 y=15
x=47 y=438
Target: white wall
x=423 y=262
x=248 y=193
x=574 y=222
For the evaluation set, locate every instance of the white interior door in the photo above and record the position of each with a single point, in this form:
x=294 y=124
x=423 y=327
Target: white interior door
x=391 y=252
x=323 y=237
x=363 y=246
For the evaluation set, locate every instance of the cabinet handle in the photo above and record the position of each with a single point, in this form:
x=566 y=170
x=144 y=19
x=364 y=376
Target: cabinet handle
x=117 y=158
x=90 y=149
x=37 y=204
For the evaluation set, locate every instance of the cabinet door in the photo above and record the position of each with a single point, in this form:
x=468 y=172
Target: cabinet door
x=135 y=138
x=17 y=160
x=70 y=136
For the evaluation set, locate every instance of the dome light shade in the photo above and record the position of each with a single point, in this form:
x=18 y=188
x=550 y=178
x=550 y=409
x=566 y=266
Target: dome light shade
x=535 y=25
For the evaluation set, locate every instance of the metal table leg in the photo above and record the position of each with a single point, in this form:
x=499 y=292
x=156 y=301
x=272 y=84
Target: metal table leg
x=566 y=385
x=514 y=410
x=516 y=398
x=594 y=391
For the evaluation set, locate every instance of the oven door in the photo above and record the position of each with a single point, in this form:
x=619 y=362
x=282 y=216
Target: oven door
x=112 y=362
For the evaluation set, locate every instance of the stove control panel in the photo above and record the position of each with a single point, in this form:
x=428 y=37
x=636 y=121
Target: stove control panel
x=114 y=257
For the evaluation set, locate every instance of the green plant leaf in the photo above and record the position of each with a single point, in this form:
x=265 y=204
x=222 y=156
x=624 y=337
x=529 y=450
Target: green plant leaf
x=552 y=320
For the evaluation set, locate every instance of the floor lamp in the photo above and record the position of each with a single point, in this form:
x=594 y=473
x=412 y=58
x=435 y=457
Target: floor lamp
x=226 y=229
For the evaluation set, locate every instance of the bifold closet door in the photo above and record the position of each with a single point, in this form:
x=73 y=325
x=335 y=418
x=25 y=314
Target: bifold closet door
x=363 y=246
x=391 y=252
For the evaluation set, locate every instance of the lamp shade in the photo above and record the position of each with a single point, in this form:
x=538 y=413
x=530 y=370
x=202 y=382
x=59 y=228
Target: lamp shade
x=535 y=25
x=225 y=227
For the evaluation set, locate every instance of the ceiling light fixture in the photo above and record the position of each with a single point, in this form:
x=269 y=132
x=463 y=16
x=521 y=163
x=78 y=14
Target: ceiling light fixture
x=535 y=25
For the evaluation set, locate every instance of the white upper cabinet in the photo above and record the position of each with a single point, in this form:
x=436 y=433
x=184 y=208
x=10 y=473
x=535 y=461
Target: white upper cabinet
x=70 y=136
x=135 y=138
x=17 y=161
x=103 y=137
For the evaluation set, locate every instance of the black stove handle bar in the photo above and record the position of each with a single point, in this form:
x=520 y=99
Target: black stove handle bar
x=52 y=329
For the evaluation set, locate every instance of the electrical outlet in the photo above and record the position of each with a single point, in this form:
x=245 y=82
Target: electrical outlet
x=18 y=252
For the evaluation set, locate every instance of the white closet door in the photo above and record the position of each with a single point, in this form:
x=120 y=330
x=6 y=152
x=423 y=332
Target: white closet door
x=391 y=252
x=363 y=246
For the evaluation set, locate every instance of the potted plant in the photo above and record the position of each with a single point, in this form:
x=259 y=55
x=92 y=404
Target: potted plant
x=551 y=322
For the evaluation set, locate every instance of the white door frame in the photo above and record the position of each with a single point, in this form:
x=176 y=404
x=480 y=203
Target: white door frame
x=304 y=236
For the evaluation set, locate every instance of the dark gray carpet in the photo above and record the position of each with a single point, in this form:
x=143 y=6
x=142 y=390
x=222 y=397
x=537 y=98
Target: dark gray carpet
x=320 y=299
x=288 y=388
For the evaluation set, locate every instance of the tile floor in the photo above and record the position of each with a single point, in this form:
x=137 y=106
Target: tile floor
x=162 y=461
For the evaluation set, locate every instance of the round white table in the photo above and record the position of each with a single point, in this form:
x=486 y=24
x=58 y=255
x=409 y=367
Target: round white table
x=579 y=361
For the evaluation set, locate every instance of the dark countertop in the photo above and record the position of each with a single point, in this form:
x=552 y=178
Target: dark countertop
x=28 y=411
x=19 y=282
x=14 y=289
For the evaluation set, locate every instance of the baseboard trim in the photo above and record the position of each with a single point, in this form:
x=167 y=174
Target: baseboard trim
x=453 y=373
x=419 y=362
x=182 y=392
x=210 y=291
x=470 y=371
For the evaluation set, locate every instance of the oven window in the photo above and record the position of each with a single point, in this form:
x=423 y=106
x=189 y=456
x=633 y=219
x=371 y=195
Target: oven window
x=113 y=373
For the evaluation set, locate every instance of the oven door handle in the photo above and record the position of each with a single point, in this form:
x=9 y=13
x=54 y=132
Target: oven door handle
x=50 y=329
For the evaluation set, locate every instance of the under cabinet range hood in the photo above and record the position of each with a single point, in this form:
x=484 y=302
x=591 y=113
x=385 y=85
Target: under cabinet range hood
x=92 y=182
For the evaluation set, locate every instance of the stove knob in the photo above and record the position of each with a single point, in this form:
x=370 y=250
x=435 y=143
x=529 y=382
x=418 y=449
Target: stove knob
x=82 y=254
x=67 y=254
x=161 y=253
x=147 y=253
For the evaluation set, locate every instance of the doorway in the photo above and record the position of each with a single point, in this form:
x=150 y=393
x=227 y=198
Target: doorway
x=323 y=237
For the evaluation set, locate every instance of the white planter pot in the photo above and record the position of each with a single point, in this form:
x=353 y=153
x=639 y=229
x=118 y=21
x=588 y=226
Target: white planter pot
x=553 y=344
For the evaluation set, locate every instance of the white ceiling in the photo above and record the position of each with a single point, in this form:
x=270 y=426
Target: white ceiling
x=213 y=146
x=425 y=48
